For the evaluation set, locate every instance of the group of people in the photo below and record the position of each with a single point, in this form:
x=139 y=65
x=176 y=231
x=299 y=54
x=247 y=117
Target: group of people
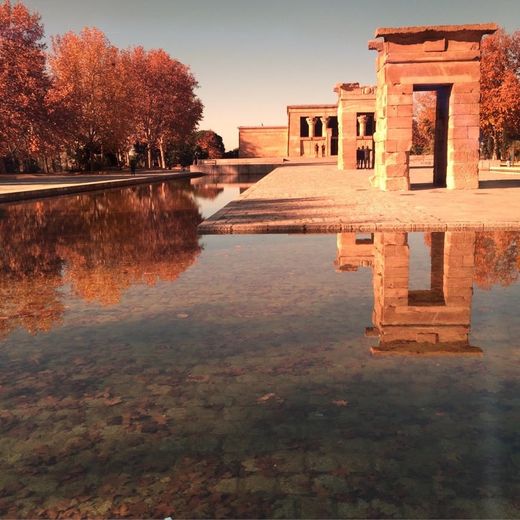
x=317 y=150
x=364 y=157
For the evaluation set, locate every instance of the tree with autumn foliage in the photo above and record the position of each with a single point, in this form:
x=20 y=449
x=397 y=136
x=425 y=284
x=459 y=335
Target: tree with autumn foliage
x=423 y=123
x=165 y=108
x=209 y=145
x=500 y=91
x=91 y=101
x=23 y=82
x=89 y=83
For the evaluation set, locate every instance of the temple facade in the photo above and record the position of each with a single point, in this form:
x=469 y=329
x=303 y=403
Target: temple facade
x=317 y=131
x=312 y=130
x=357 y=125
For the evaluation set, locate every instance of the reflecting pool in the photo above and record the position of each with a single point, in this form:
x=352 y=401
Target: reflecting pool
x=146 y=371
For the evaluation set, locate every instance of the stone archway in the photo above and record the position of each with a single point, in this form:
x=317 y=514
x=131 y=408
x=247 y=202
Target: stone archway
x=446 y=58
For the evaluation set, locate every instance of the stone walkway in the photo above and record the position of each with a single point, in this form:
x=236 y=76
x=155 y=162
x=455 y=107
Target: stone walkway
x=316 y=199
x=24 y=187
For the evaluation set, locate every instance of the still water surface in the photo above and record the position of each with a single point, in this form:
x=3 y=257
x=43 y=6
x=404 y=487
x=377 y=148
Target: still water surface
x=146 y=371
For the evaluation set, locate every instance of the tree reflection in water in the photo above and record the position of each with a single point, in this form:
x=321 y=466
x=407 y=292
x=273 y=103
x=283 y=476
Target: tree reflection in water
x=100 y=243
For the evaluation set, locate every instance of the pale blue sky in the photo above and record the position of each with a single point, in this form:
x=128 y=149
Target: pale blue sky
x=252 y=58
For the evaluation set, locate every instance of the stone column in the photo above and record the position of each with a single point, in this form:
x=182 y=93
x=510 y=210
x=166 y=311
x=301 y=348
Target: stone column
x=362 y=120
x=459 y=267
x=390 y=282
x=464 y=131
x=324 y=122
x=393 y=137
x=311 y=122
x=325 y=132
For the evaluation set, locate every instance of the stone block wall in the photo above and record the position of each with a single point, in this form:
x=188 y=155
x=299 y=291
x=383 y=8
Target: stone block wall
x=262 y=141
x=353 y=252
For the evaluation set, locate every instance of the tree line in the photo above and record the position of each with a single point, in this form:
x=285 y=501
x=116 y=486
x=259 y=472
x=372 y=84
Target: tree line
x=85 y=103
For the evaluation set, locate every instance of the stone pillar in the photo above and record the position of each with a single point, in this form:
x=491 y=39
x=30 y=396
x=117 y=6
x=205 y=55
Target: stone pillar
x=326 y=133
x=362 y=120
x=463 y=133
x=311 y=121
x=393 y=136
x=459 y=267
x=324 y=122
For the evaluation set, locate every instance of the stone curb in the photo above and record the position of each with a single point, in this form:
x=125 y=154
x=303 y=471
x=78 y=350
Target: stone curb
x=369 y=227
x=92 y=186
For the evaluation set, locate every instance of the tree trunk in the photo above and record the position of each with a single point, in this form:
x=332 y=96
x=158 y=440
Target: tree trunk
x=161 y=150
x=149 y=157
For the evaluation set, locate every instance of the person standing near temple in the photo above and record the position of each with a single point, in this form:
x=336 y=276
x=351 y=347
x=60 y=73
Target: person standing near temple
x=323 y=150
x=366 y=158
x=316 y=150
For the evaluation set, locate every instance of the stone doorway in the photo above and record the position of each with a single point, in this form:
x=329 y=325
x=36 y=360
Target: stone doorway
x=440 y=138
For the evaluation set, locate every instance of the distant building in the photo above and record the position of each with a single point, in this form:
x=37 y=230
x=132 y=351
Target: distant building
x=356 y=108
x=311 y=125
x=316 y=131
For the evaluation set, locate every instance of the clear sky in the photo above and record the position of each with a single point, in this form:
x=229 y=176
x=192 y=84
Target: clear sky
x=252 y=58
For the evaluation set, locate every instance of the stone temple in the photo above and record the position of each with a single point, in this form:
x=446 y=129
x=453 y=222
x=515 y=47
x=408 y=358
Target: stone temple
x=442 y=59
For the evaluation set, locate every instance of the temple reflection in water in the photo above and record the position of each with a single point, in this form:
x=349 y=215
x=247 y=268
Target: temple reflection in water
x=429 y=321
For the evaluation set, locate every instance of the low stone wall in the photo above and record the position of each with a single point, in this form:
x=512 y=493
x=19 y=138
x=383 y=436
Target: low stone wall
x=237 y=166
x=487 y=164
x=22 y=192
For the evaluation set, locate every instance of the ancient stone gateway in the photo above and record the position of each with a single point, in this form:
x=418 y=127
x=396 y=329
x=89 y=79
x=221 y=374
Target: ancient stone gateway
x=444 y=59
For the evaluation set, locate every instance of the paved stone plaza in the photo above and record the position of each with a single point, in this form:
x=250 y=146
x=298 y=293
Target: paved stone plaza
x=323 y=199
